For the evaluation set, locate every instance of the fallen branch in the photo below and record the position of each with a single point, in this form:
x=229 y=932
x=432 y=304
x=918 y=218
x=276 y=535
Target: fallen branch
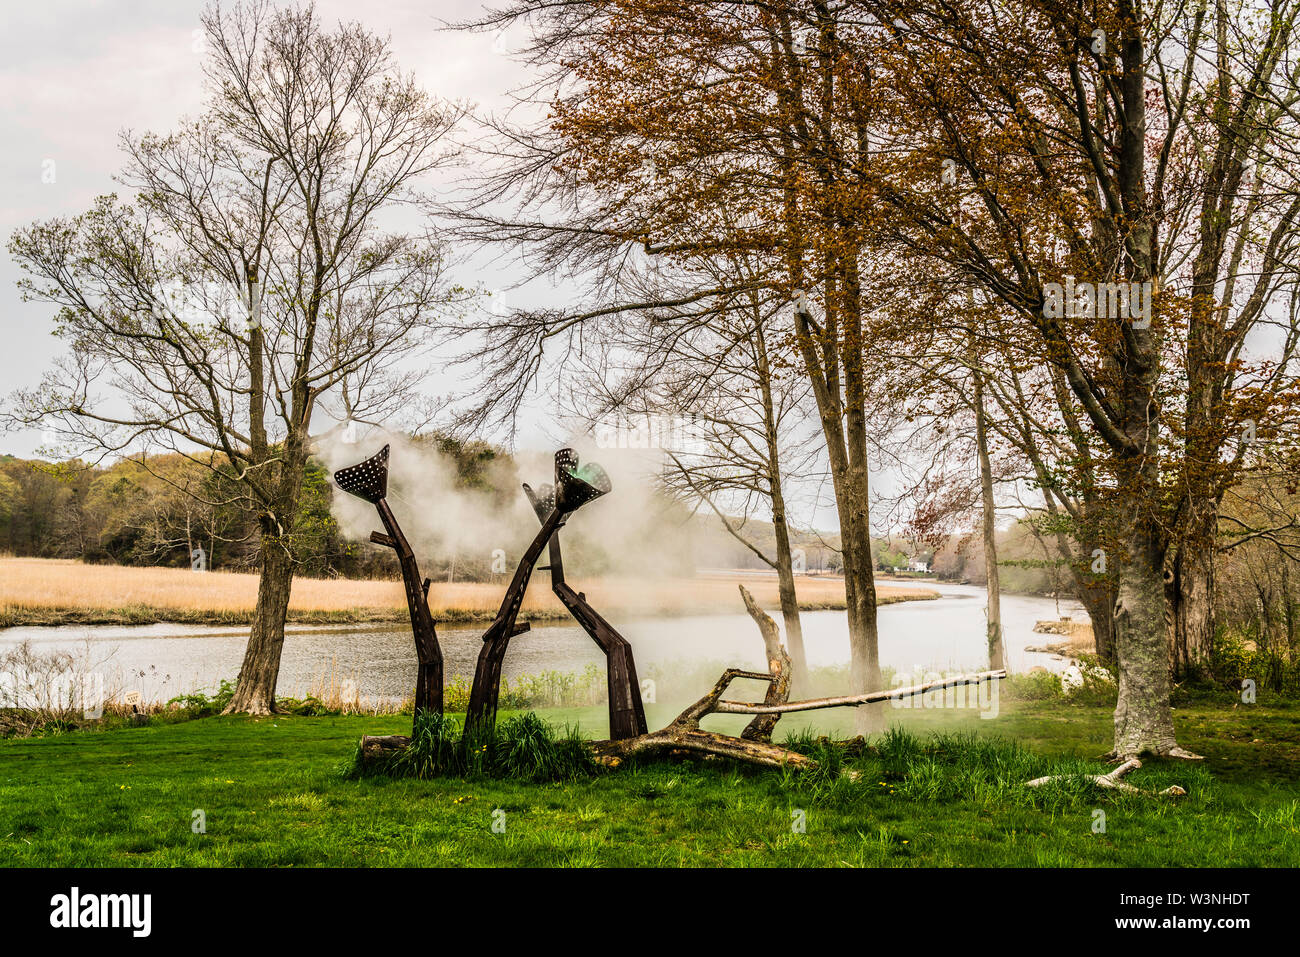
x=684 y=732
x=754 y=745
x=1112 y=781
x=778 y=663
x=870 y=697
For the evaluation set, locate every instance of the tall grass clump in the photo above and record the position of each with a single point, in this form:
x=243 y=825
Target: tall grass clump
x=520 y=748
x=972 y=769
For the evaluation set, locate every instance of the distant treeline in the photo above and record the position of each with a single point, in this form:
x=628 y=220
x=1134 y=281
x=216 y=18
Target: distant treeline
x=159 y=511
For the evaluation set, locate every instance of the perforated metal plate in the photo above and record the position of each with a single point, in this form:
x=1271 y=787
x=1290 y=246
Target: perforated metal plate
x=369 y=480
x=574 y=486
x=543 y=499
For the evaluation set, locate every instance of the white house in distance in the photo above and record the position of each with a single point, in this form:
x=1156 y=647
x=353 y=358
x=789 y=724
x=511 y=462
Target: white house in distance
x=918 y=565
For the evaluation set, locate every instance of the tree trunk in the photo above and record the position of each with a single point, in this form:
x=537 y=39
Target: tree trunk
x=1099 y=597
x=840 y=392
x=1288 y=608
x=864 y=638
x=997 y=655
x=255 y=691
x=848 y=477
x=1143 y=719
x=784 y=559
x=1194 y=584
x=790 y=605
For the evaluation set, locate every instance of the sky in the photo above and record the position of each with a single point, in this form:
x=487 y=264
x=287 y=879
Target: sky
x=74 y=75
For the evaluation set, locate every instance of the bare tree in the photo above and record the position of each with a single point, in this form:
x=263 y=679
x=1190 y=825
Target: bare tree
x=266 y=220
x=744 y=141
x=715 y=387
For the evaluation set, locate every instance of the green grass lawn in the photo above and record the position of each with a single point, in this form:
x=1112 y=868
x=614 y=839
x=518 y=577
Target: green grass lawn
x=273 y=795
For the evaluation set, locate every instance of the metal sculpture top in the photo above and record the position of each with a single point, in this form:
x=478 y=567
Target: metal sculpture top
x=574 y=487
x=369 y=480
x=626 y=712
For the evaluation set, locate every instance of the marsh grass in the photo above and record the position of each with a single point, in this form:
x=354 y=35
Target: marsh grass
x=35 y=591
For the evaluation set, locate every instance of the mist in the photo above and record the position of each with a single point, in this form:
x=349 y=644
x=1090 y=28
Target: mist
x=632 y=531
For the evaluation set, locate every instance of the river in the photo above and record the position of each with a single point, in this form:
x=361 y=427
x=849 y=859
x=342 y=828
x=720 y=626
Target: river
x=165 y=660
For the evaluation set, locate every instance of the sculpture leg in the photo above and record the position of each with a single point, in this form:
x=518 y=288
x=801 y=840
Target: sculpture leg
x=482 y=711
x=483 y=696
x=626 y=712
x=369 y=481
x=428 y=681
x=428 y=688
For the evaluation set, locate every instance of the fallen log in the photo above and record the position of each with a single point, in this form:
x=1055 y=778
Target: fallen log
x=376 y=745
x=684 y=733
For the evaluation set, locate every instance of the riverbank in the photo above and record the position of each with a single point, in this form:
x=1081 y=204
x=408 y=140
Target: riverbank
x=38 y=592
x=271 y=795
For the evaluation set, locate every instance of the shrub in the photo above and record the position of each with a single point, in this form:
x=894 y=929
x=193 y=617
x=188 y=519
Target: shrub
x=1234 y=661
x=196 y=704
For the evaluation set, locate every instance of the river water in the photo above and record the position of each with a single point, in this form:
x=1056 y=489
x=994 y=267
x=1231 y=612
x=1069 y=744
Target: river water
x=165 y=660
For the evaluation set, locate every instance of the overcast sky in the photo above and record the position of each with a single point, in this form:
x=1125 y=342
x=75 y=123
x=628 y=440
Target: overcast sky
x=74 y=74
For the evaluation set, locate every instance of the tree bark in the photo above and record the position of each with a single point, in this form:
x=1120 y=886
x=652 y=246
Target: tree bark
x=778 y=663
x=997 y=656
x=1193 y=595
x=1098 y=596
x=255 y=689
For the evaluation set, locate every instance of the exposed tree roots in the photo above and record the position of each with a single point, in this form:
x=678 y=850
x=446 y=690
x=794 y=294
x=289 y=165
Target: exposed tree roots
x=1113 y=782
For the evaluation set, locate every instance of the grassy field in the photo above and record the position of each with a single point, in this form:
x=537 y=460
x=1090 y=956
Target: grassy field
x=271 y=794
x=36 y=591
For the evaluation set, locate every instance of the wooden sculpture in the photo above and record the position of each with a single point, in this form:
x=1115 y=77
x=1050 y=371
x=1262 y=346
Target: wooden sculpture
x=369 y=481
x=571 y=491
x=573 y=488
x=626 y=712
